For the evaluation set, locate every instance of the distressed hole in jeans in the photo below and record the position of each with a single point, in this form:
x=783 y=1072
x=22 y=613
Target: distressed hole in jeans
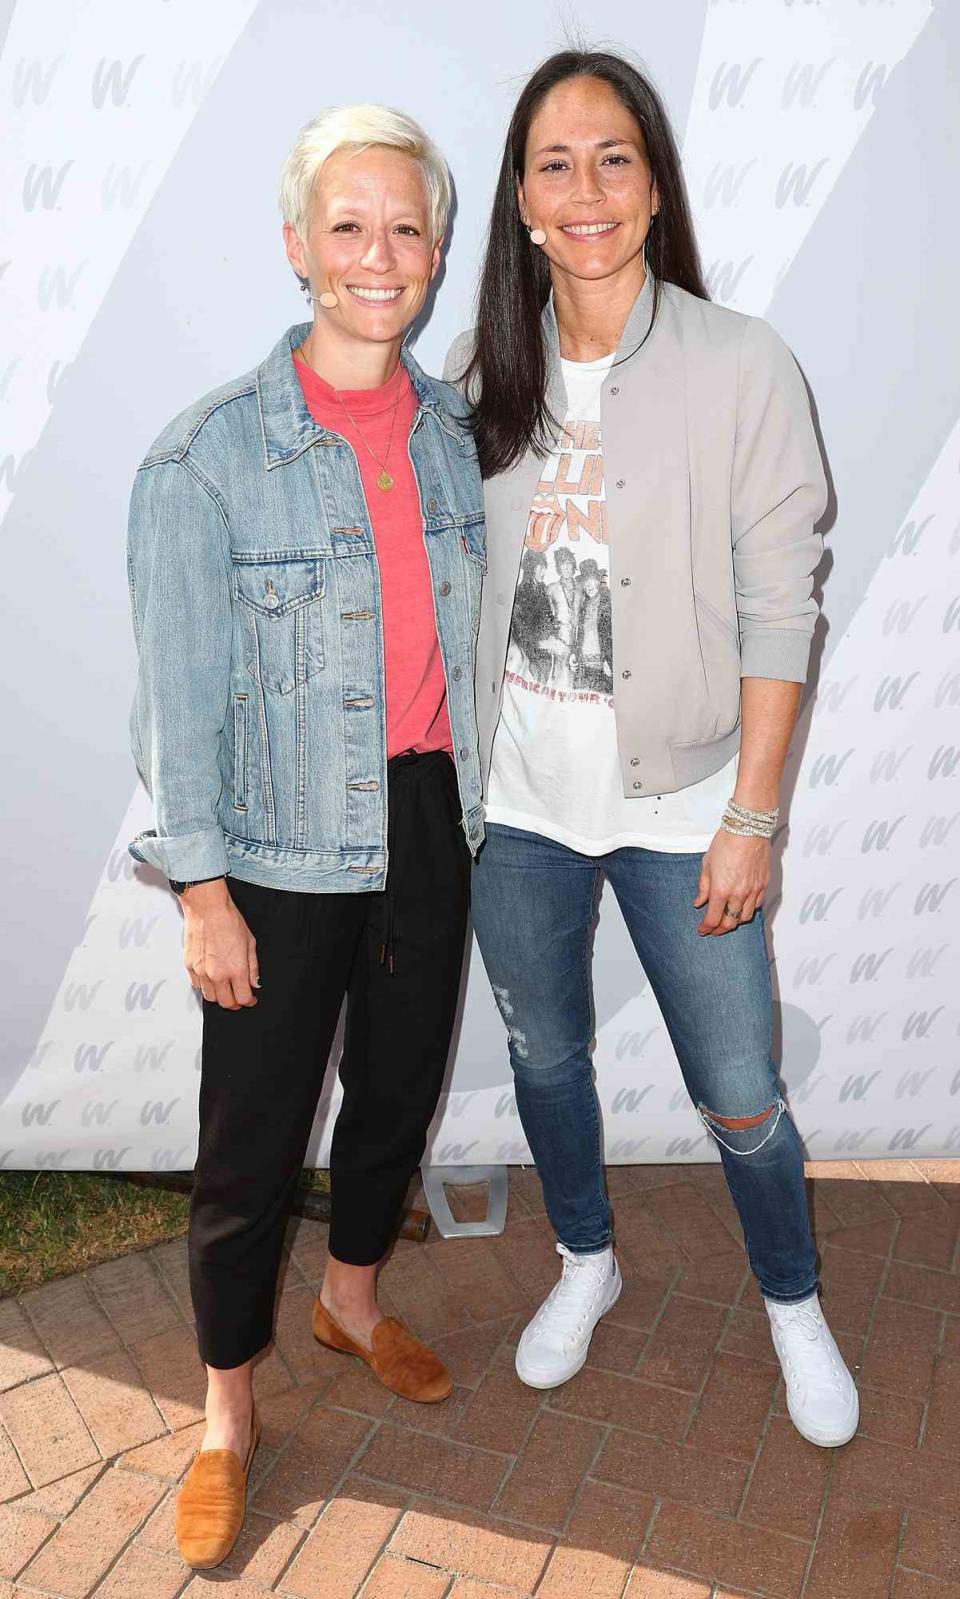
x=519 y=1041
x=504 y=1004
x=516 y=1035
x=751 y=1141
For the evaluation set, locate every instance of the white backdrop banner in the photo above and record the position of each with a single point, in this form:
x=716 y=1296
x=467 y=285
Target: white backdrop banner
x=142 y=265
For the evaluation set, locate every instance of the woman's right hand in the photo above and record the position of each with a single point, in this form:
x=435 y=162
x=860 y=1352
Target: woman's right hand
x=219 y=950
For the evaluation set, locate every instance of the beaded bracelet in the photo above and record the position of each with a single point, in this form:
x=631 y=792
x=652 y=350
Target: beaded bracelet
x=746 y=823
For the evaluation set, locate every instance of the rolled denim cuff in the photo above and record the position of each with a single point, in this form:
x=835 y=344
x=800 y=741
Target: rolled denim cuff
x=186 y=857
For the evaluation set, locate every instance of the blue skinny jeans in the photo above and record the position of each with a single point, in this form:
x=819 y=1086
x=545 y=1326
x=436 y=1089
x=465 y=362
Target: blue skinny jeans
x=533 y=908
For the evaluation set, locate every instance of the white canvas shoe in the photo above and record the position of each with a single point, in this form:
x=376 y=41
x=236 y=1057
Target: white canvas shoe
x=822 y=1397
x=554 y=1344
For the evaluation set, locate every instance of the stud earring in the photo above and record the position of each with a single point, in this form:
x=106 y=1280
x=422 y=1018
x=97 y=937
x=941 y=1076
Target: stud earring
x=327 y=299
x=537 y=236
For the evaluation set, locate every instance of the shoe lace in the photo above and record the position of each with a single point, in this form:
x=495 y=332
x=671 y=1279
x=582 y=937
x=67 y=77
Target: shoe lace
x=807 y=1322
x=570 y=1301
x=808 y=1351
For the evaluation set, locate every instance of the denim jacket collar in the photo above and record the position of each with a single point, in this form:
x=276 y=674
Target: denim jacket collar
x=286 y=424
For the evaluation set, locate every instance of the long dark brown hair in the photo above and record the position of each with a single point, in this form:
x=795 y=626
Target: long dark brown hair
x=508 y=368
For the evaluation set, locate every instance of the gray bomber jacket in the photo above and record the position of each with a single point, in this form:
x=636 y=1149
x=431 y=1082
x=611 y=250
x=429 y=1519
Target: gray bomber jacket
x=714 y=486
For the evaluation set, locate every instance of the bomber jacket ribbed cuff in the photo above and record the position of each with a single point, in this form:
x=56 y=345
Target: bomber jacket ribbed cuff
x=186 y=857
x=778 y=652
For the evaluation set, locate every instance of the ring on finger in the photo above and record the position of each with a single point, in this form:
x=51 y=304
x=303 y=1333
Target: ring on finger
x=729 y=911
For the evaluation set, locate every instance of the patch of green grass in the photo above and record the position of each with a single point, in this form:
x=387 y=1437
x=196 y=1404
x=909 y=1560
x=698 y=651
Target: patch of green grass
x=54 y=1222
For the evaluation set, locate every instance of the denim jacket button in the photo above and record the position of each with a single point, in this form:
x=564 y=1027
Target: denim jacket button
x=431 y=505
x=272 y=601
x=457 y=674
x=444 y=588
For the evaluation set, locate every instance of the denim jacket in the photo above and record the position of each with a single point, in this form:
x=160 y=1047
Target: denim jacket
x=259 y=720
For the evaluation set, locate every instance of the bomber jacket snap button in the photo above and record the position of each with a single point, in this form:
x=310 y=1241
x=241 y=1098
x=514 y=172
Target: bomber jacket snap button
x=614 y=391
x=638 y=785
x=625 y=582
x=620 y=482
x=634 y=760
x=626 y=673
x=444 y=588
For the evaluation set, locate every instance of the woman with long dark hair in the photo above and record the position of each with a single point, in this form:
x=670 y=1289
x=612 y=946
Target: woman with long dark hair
x=664 y=446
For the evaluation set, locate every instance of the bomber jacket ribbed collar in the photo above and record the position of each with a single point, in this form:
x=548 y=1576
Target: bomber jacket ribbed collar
x=634 y=332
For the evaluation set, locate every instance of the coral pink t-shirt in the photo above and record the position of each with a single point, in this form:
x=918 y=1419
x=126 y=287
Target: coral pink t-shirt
x=417 y=716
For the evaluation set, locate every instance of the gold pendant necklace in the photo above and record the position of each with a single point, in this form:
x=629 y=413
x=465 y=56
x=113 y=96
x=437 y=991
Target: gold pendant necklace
x=384 y=481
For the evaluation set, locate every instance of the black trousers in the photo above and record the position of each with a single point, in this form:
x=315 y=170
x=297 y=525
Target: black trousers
x=397 y=956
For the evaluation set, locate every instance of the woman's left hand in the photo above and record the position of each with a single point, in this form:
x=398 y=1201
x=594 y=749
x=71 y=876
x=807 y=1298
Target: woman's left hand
x=734 y=873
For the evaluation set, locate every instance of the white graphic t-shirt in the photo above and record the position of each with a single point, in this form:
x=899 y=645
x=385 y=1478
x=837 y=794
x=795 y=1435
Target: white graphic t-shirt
x=555 y=767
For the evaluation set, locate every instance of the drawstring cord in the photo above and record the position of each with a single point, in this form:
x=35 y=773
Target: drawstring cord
x=388 y=947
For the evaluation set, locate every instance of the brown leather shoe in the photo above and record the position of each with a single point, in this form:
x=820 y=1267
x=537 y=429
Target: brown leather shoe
x=403 y=1364
x=212 y=1502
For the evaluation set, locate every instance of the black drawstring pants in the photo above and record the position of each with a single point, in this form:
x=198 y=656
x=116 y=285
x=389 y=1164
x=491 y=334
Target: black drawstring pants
x=397 y=956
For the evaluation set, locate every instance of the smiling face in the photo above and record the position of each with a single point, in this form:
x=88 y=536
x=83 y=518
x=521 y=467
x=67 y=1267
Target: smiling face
x=369 y=240
x=587 y=181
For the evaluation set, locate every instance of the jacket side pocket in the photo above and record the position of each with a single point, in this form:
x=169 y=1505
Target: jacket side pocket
x=717 y=617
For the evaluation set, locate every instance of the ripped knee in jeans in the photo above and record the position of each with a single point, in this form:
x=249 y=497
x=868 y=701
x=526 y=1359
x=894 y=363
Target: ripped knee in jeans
x=746 y=1134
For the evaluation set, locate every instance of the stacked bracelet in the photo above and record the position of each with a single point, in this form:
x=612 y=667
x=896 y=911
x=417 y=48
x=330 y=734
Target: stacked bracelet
x=745 y=823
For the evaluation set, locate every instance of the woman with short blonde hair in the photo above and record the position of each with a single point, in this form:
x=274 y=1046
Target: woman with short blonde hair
x=306 y=547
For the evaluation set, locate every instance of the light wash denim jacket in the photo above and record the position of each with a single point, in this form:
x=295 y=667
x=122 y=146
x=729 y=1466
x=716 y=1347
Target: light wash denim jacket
x=259 y=722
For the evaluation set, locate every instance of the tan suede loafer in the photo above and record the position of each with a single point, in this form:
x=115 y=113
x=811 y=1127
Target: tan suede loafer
x=402 y=1363
x=212 y=1503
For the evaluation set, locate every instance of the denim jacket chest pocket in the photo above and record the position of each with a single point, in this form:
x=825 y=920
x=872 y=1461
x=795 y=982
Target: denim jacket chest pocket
x=473 y=535
x=280 y=601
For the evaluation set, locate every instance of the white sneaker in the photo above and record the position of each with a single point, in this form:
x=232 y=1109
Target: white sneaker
x=554 y=1344
x=822 y=1398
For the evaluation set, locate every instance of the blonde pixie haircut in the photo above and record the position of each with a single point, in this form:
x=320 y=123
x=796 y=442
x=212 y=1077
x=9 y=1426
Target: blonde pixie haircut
x=357 y=127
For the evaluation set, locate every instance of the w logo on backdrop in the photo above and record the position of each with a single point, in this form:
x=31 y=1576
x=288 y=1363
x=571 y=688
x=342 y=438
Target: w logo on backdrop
x=730 y=83
x=33 y=80
x=43 y=187
x=113 y=79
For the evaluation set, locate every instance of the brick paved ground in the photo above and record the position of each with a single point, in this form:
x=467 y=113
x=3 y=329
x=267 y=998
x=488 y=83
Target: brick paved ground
x=666 y=1469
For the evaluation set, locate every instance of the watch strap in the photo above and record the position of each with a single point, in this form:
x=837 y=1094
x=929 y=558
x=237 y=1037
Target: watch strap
x=179 y=887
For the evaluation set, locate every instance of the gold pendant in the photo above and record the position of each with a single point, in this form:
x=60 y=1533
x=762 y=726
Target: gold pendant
x=384 y=481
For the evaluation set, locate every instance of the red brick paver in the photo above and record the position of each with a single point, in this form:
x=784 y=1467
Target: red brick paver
x=666 y=1469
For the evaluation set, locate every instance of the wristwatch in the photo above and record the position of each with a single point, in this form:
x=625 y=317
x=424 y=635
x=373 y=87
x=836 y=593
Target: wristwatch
x=178 y=887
